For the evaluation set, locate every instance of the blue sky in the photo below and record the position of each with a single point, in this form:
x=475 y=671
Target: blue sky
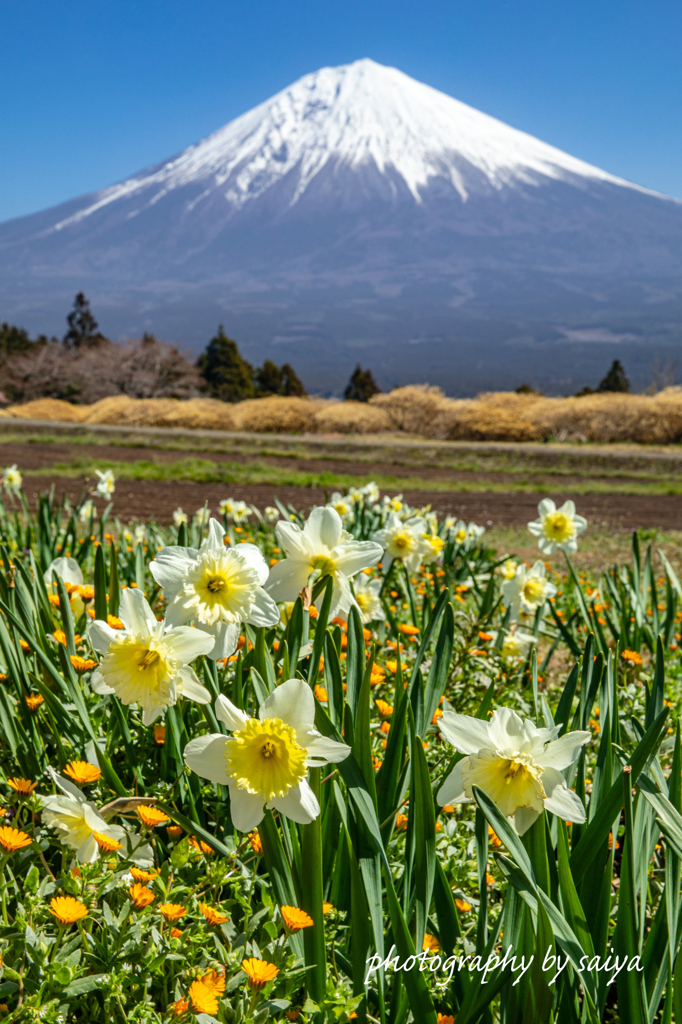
x=92 y=92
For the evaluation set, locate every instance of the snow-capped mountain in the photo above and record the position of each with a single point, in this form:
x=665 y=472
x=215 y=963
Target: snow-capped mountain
x=360 y=209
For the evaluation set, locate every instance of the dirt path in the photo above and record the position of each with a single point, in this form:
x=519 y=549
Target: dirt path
x=145 y=498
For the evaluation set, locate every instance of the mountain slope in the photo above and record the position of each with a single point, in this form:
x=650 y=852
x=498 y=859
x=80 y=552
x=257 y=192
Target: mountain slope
x=361 y=214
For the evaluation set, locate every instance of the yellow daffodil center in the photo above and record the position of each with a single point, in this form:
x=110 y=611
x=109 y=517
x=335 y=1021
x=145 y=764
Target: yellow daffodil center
x=265 y=758
x=139 y=670
x=558 y=526
x=512 y=648
x=534 y=590
x=511 y=780
x=437 y=543
x=461 y=536
x=363 y=601
x=324 y=565
x=220 y=588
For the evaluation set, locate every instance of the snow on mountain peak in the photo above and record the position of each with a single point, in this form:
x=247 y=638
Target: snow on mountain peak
x=356 y=114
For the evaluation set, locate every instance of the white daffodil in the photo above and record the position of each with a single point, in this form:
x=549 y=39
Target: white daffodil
x=67 y=568
x=355 y=496
x=557 y=527
x=265 y=762
x=146 y=662
x=77 y=821
x=515 y=645
x=271 y=514
x=508 y=569
x=218 y=587
x=433 y=545
x=226 y=506
x=394 y=504
x=11 y=478
x=370 y=492
x=322 y=546
x=240 y=512
x=464 y=534
x=516 y=764
x=106 y=484
x=341 y=504
x=527 y=590
x=367 y=596
x=403 y=540
x=139 y=534
x=87 y=511
x=179 y=517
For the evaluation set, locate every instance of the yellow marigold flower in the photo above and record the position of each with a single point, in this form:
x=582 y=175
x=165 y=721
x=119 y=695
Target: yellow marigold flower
x=295 y=919
x=151 y=816
x=259 y=972
x=53 y=599
x=214 y=981
x=202 y=998
x=159 y=733
x=632 y=656
x=34 y=701
x=24 y=646
x=431 y=943
x=383 y=707
x=106 y=843
x=462 y=906
x=82 y=665
x=212 y=915
x=255 y=840
x=143 y=876
x=445 y=1018
x=182 y=1005
x=385 y=727
x=172 y=911
x=3 y=677
x=407 y=630
x=174 y=831
x=199 y=845
x=321 y=694
x=489 y=878
x=436 y=715
x=11 y=839
x=400 y=821
x=67 y=910
x=327 y=907
x=141 y=895
x=114 y=622
x=82 y=772
x=24 y=787
x=378 y=676
x=392 y=666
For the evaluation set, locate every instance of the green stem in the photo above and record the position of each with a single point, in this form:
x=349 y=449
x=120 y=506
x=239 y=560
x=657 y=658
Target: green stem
x=312 y=896
x=3 y=887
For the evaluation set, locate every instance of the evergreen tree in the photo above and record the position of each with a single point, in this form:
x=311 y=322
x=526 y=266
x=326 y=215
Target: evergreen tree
x=361 y=386
x=14 y=339
x=615 y=379
x=227 y=375
x=291 y=384
x=268 y=379
x=83 y=329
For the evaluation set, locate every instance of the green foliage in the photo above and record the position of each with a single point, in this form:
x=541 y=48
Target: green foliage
x=271 y=379
x=615 y=379
x=361 y=386
x=228 y=376
x=83 y=329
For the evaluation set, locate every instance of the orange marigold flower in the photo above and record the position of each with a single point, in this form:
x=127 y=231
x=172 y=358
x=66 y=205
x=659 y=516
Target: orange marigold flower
x=24 y=787
x=82 y=665
x=106 y=843
x=493 y=837
x=53 y=599
x=174 y=831
x=462 y=906
x=448 y=809
x=212 y=915
x=632 y=656
x=295 y=919
x=445 y=1018
x=431 y=943
x=11 y=839
x=87 y=593
x=214 y=981
x=159 y=733
x=255 y=840
x=202 y=998
x=400 y=821
x=392 y=666
x=407 y=630
x=182 y=1005
x=376 y=763
x=24 y=646
x=176 y=933
x=199 y=845
x=259 y=972
x=436 y=715
x=143 y=876
x=383 y=707
x=67 y=910
x=151 y=816
x=34 y=701
x=327 y=907
x=114 y=622
x=321 y=694
x=141 y=895
x=60 y=636
x=82 y=772
x=484 y=636
x=172 y=911
x=385 y=727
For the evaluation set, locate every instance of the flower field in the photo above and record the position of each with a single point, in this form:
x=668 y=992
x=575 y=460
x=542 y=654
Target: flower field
x=353 y=764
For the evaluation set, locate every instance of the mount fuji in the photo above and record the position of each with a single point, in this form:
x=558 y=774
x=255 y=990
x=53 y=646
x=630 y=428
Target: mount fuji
x=360 y=215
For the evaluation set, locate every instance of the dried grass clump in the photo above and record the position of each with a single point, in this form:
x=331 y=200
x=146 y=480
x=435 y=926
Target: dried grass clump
x=352 y=418
x=276 y=415
x=607 y=418
x=420 y=409
x=49 y=409
x=496 y=416
x=192 y=414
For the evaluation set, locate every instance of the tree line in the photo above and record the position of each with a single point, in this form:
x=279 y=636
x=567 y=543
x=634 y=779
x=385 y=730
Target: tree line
x=84 y=366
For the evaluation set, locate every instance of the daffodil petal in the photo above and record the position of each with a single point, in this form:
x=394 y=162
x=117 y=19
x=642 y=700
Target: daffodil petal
x=358 y=555
x=253 y=556
x=288 y=578
x=233 y=717
x=562 y=752
x=322 y=750
x=170 y=565
x=205 y=755
x=192 y=688
x=324 y=526
x=300 y=804
x=97 y=684
x=294 y=703
x=101 y=635
x=135 y=613
x=246 y=809
x=452 y=792
x=523 y=818
x=264 y=612
x=466 y=734
x=560 y=800
x=187 y=643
